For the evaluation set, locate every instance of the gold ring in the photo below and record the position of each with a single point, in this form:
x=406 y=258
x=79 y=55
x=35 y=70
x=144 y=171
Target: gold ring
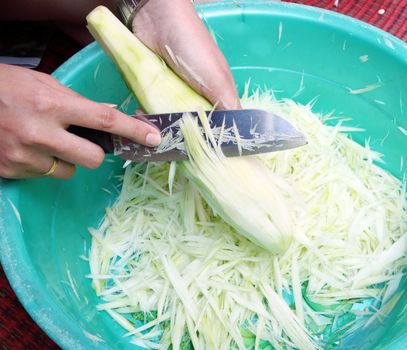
x=54 y=167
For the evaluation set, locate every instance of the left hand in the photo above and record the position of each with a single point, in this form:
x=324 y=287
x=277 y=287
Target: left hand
x=174 y=31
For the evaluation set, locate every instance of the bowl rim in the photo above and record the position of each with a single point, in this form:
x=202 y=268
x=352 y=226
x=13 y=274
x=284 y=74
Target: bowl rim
x=17 y=266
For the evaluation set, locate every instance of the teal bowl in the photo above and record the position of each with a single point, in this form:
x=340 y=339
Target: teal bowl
x=301 y=53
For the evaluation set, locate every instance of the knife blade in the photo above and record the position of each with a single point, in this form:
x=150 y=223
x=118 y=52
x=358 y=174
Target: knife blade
x=258 y=131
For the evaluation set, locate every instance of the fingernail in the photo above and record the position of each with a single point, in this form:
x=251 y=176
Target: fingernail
x=153 y=139
x=111 y=105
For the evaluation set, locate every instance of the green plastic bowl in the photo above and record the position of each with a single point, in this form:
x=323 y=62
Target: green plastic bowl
x=44 y=222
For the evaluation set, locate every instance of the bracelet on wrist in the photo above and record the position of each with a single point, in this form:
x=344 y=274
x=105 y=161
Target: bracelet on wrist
x=128 y=9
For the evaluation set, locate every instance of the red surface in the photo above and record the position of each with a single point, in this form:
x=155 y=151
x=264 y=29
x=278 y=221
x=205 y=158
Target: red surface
x=17 y=330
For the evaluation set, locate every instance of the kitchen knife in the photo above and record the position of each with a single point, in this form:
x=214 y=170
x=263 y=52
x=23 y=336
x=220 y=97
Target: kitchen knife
x=258 y=131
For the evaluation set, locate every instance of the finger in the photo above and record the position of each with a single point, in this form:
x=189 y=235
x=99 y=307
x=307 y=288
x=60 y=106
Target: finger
x=40 y=164
x=76 y=150
x=89 y=114
x=220 y=91
x=64 y=170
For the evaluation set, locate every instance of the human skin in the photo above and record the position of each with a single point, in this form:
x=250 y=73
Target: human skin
x=191 y=44
x=36 y=110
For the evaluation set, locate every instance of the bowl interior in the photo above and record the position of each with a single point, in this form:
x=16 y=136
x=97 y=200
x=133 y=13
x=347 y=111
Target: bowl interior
x=299 y=52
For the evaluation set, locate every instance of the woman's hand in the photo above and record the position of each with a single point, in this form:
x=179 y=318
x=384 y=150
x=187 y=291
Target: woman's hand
x=174 y=31
x=36 y=110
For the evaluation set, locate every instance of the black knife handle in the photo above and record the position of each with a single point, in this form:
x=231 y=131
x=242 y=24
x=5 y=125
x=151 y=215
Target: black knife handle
x=101 y=138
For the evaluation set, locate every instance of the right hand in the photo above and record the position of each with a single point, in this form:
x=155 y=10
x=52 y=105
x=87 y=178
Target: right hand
x=36 y=110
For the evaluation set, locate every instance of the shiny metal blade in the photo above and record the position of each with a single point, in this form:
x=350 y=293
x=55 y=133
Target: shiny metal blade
x=258 y=131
